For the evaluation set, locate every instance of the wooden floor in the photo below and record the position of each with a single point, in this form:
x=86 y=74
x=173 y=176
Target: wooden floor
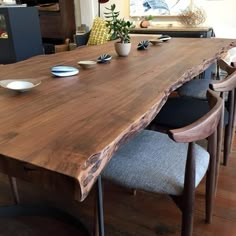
x=125 y=214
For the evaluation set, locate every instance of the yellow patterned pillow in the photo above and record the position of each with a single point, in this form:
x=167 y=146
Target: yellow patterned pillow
x=99 y=33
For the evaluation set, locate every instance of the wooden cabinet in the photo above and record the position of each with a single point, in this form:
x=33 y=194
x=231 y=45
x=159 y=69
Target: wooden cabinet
x=58 y=24
x=186 y=32
x=20 y=34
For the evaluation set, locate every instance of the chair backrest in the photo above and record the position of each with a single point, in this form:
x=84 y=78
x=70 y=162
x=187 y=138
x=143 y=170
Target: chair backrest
x=82 y=39
x=224 y=65
x=203 y=127
x=230 y=55
x=227 y=84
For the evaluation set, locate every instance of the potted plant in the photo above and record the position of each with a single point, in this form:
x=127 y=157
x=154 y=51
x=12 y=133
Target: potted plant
x=119 y=29
x=146 y=21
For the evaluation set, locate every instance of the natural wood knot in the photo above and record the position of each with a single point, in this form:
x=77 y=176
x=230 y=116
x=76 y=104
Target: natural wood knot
x=95 y=167
x=91 y=160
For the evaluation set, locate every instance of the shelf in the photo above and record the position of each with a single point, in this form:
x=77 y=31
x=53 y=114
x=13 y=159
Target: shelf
x=3 y=27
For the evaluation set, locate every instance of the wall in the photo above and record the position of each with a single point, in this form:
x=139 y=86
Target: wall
x=122 y=5
x=220 y=14
x=77 y=12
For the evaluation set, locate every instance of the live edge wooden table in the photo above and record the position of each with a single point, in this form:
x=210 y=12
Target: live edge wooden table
x=62 y=134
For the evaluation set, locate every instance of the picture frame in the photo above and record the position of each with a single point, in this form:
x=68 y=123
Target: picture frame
x=158 y=8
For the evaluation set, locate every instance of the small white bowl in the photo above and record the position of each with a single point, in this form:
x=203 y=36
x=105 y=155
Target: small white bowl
x=19 y=85
x=155 y=41
x=87 y=64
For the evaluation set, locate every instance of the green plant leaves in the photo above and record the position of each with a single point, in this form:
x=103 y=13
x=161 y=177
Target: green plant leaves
x=119 y=28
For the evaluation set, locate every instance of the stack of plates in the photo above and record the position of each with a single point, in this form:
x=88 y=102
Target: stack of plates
x=62 y=71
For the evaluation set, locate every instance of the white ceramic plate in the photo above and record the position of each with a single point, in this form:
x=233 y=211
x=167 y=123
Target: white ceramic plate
x=155 y=41
x=164 y=39
x=19 y=85
x=65 y=74
x=63 y=71
x=87 y=64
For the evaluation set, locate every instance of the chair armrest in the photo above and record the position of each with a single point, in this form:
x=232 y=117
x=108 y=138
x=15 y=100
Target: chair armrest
x=203 y=127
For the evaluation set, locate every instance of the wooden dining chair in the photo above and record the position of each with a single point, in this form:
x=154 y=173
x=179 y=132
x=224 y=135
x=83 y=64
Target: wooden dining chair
x=197 y=87
x=172 y=164
x=183 y=110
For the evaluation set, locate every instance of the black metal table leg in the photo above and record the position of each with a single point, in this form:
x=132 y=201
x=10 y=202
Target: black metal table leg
x=100 y=207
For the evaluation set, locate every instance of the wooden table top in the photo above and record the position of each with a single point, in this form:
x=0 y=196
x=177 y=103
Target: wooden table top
x=72 y=126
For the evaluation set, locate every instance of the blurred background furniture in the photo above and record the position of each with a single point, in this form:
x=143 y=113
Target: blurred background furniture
x=173 y=31
x=81 y=39
x=57 y=23
x=22 y=37
x=62 y=47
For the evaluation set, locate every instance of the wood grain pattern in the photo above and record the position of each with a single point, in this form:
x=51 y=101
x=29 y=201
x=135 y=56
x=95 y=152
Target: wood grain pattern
x=72 y=126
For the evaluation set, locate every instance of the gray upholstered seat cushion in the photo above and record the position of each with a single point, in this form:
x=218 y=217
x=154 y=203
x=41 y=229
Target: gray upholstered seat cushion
x=196 y=88
x=153 y=162
x=181 y=111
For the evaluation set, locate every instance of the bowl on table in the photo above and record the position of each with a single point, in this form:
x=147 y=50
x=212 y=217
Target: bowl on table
x=20 y=85
x=87 y=64
x=104 y=58
x=64 y=71
x=155 y=41
x=164 y=38
x=143 y=45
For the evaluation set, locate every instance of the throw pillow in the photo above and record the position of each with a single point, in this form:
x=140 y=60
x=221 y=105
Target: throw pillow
x=99 y=33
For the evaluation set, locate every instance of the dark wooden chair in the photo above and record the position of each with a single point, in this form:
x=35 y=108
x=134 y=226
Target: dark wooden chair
x=197 y=87
x=227 y=88
x=172 y=164
x=82 y=39
x=183 y=110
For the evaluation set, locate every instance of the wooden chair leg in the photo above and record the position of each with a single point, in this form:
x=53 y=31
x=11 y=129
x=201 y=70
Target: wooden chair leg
x=210 y=179
x=187 y=223
x=232 y=138
x=226 y=146
x=14 y=189
x=233 y=125
x=99 y=218
x=217 y=71
x=220 y=128
x=229 y=129
x=189 y=194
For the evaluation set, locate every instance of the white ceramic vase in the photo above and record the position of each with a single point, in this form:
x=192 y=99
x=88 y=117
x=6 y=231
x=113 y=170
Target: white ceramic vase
x=122 y=49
